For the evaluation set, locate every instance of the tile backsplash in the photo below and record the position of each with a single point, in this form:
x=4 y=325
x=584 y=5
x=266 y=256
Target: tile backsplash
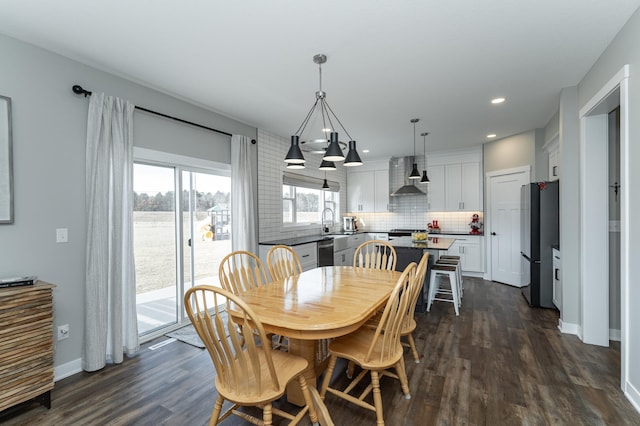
x=448 y=221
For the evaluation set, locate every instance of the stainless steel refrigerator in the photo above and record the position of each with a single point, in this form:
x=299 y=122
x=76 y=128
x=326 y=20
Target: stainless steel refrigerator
x=539 y=223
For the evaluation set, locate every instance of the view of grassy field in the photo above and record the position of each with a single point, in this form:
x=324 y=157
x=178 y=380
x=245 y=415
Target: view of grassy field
x=155 y=248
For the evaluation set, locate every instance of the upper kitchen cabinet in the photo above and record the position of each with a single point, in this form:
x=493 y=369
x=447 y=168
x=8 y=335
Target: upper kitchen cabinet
x=552 y=147
x=368 y=190
x=462 y=186
x=436 y=190
x=455 y=181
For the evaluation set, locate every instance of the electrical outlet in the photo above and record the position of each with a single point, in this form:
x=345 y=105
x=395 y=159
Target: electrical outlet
x=63 y=331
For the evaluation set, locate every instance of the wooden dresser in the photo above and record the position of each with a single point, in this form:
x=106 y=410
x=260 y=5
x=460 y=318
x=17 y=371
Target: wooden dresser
x=26 y=344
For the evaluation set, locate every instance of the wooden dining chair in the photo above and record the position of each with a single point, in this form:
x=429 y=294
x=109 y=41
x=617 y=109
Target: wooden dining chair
x=248 y=371
x=283 y=262
x=240 y=271
x=375 y=254
x=375 y=350
x=409 y=322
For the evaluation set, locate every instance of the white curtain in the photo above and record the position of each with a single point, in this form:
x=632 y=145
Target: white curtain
x=110 y=293
x=244 y=194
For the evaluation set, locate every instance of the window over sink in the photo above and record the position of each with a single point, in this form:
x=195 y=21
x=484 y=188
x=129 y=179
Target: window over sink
x=303 y=199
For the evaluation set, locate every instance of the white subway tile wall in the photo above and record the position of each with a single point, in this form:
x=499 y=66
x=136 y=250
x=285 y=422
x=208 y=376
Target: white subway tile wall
x=408 y=216
x=271 y=152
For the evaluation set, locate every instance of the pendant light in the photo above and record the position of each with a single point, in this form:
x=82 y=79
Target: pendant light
x=334 y=150
x=325 y=184
x=425 y=178
x=327 y=165
x=353 y=159
x=415 y=174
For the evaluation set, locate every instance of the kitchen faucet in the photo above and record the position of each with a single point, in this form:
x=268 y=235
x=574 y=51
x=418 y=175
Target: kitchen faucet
x=325 y=229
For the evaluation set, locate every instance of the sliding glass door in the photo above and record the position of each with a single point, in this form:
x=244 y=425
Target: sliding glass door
x=178 y=240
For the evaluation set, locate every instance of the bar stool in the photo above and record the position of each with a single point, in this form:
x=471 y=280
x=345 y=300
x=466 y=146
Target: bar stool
x=438 y=271
x=454 y=262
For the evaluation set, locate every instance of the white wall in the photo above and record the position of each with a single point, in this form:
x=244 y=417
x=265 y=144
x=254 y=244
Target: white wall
x=513 y=151
x=624 y=50
x=49 y=124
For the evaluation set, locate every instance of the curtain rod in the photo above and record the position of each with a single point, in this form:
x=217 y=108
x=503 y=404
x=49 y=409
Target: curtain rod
x=78 y=90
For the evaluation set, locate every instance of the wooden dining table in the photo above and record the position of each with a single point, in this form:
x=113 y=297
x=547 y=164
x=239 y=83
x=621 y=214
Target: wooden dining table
x=319 y=304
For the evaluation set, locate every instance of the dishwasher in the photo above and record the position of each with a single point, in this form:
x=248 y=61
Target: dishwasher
x=325 y=252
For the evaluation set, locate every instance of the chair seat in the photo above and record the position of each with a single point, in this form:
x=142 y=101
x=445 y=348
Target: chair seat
x=287 y=366
x=355 y=346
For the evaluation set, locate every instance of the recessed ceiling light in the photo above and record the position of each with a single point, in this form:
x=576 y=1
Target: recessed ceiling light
x=498 y=100
x=491 y=135
x=366 y=151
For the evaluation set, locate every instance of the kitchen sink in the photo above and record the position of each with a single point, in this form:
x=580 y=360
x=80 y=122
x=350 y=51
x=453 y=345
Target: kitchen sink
x=340 y=242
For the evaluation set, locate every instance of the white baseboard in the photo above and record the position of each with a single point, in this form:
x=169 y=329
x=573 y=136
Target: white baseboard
x=68 y=369
x=568 y=328
x=615 y=335
x=633 y=395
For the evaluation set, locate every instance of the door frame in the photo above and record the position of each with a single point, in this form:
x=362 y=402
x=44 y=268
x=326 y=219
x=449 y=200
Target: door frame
x=594 y=293
x=489 y=241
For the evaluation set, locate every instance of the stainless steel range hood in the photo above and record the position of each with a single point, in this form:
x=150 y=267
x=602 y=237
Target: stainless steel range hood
x=399 y=182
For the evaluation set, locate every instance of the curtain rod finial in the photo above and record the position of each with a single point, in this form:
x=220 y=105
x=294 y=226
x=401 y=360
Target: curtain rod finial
x=78 y=90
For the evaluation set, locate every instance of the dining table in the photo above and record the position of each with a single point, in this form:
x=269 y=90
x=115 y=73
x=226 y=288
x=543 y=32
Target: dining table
x=316 y=305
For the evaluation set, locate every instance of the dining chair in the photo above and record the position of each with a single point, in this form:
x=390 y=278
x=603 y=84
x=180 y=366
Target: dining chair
x=375 y=254
x=324 y=418
x=283 y=262
x=375 y=350
x=248 y=371
x=409 y=322
x=240 y=271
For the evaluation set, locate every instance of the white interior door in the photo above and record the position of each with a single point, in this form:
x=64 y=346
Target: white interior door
x=504 y=225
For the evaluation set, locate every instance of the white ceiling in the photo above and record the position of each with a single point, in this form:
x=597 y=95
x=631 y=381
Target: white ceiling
x=388 y=61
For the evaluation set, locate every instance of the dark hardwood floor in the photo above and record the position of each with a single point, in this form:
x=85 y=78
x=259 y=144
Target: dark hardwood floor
x=498 y=363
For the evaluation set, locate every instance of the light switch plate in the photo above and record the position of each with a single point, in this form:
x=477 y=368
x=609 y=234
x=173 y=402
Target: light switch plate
x=62 y=235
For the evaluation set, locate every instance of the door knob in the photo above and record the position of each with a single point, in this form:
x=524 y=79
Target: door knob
x=493 y=233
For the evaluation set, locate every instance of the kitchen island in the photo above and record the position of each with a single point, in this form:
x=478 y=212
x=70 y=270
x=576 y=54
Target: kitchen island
x=409 y=251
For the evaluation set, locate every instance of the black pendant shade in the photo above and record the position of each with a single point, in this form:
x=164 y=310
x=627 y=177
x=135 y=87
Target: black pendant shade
x=327 y=165
x=334 y=152
x=425 y=178
x=294 y=156
x=415 y=174
x=353 y=159
x=325 y=184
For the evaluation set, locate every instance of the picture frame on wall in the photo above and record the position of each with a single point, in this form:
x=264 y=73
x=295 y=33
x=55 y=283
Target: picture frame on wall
x=6 y=162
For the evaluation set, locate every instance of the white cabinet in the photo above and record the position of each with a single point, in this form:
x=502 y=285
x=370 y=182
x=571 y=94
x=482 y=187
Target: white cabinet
x=554 y=164
x=557 y=282
x=471 y=252
x=360 y=193
x=435 y=188
x=368 y=191
x=552 y=147
x=462 y=186
x=381 y=191
x=307 y=253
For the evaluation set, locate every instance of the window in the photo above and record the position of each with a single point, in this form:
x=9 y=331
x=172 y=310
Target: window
x=303 y=199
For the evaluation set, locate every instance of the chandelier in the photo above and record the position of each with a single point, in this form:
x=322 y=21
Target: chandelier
x=330 y=147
